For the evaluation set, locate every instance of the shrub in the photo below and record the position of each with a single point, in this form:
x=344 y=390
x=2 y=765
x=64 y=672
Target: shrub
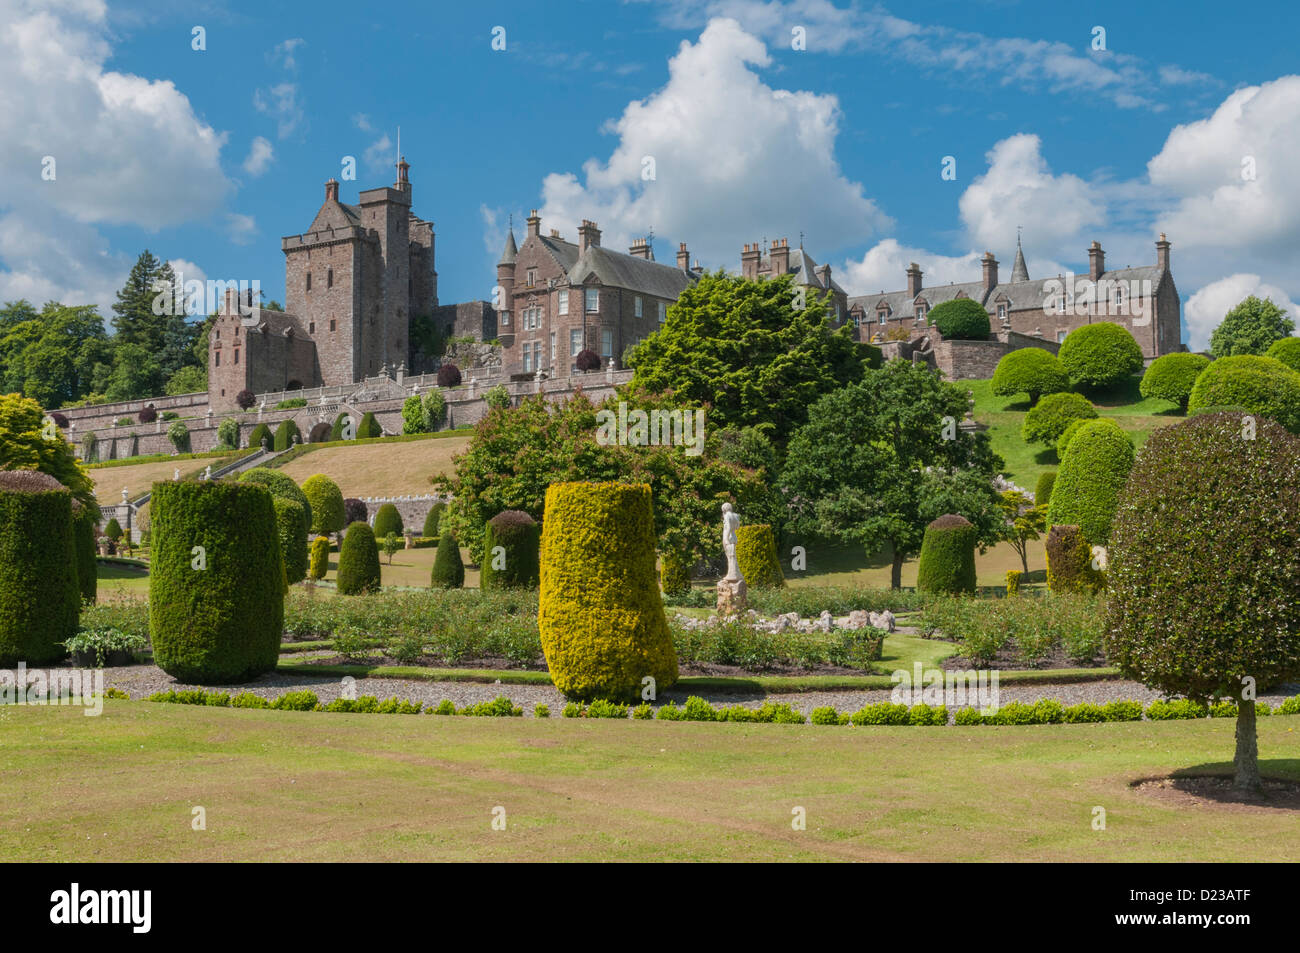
x=824 y=715
x=673 y=577
x=285 y=435
x=289 y=519
x=280 y=485
x=1069 y=562
x=1171 y=377
x=339 y=428
x=179 y=435
x=1013 y=581
x=947 y=561
x=1029 y=370
x=112 y=529
x=89 y=449
x=600 y=616
x=1262 y=385
x=445 y=707
x=1043 y=489
x=222 y=623
x=1205 y=565
x=1180 y=708
x=413 y=415
x=432 y=519
x=499 y=707
x=147 y=415
x=1063 y=441
x=355 y=511
x=388 y=520
x=962 y=319
x=228 y=434
x=516 y=565
x=756 y=557
x=1286 y=350
x=358 y=561
x=541 y=710
x=448 y=375
x=881 y=713
x=1047 y=420
x=497 y=397
x=448 y=570
x=1100 y=355
x=1251 y=327
x=320 y=557
x=291 y=403
x=369 y=427
x=1091 y=478
x=245 y=399
x=39 y=584
x=326 y=501
x=297 y=701
x=260 y=437
x=434 y=407
x=587 y=360
x=83 y=541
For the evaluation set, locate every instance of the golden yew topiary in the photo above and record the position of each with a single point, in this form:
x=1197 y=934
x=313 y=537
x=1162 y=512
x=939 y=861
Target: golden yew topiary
x=756 y=557
x=600 y=615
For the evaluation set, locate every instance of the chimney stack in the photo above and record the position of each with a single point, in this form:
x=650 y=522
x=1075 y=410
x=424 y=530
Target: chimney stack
x=534 y=224
x=683 y=258
x=749 y=258
x=1162 y=253
x=1096 y=261
x=779 y=251
x=588 y=236
x=332 y=190
x=990 y=272
x=914 y=279
x=640 y=248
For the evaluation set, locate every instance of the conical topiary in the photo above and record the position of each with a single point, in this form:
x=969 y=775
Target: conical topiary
x=673 y=577
x=947 y=562
x=289 y=518
x=320 y=558
x=511 y=540
x=448 y=569
x=387 y=520
x=756 y=557
x=432 y=519
x=359 y=561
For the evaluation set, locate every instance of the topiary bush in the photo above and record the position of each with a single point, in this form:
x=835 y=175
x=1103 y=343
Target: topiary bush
x=947 y=561
x=673 y=575
x=1069 y=562
x=359 y=561
x=260 y=437
x=1091 y=478
x=600 y=615
x=319 y=562
x=1286 y=350
x=387 y=520
x=285 y=434
x=289 y=520
x=1029 y=370
x=179 y=435
x=1171 y=377
x=1043 y=489
x=369 y=427
x=1063 y=441
x=113 y=529
x=1262 y=385
x=449 y=376
x=432 y=519
x=83 y=541
x=516 y=565
x=339 y=428
x=355 y=511
x=147 y=415
x=1205 y=566
x=1100 y=355
x=216 y=613
x=756 y=557
x=1047 y=420
x=448 y=569
x=245 y=399
x=280 y=485
x=962 y=319
x=228 y=434
x=497 y=397
x=587 y=360
x=40 y=596
x=326 y=501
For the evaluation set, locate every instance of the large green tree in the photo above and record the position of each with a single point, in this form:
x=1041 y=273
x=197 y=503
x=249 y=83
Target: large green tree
x=1250 y=328
x=50 y=356
x=30 y=441
x=881 y=458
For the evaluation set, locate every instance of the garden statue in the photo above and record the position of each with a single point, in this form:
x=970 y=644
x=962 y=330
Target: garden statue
x=731 y=587
x=176 y=474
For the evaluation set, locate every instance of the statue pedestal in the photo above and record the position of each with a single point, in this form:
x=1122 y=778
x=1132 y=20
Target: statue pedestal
x=731 y=596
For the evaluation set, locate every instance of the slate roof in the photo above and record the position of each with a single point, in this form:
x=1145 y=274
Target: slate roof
x=626 y=271
x=804 y=269
x=511 y=250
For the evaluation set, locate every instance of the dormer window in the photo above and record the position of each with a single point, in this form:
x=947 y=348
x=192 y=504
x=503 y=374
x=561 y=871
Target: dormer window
x=921 y=310
x=1002 y=311
x=883 y=315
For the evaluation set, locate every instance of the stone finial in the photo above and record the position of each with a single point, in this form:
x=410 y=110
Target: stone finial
x=124 y=494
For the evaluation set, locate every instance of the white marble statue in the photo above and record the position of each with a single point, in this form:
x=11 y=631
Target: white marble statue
x=730 y=523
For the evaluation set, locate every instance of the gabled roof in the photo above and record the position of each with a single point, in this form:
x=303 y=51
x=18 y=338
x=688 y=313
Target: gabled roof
x=564 y=253
x=903 y=305
x=627 y=271
x=804 y=269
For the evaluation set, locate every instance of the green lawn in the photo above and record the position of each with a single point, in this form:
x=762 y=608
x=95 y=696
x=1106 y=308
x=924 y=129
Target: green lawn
x=325 y=787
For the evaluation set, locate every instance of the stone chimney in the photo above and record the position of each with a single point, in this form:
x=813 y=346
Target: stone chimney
x=332 y=190
x=990 y=267
x=588 y=236
x=1096 y=261
x=683 y=257
x=914 y=280
x=640 y=248
x=780 y=254
x=534 y=224
x=1162 y=253
x=749 y=258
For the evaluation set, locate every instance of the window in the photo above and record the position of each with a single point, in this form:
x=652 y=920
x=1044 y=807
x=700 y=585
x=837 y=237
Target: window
x=575 y=341
x=883 y=314
x=564 y=302
x=1060 y=336
x=329 y=277
x=218 y=364
x=331 y=324
x=606 y=342
x=1002 y=311
x=552 y=348
x=236 y=330
x=1060 y=305
x=532 y=277
x=537 y=355
x=528 y=358
x=311 y=328
x=218 y=334
x=309 y=281
x=505 y=319
x=663 y=312
x=593 y=300
x=1119 y=297
x=236 y=356
x=637 y=304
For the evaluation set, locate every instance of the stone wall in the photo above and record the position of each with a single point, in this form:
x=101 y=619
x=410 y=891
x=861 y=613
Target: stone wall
x=964 y=360
x=412 y=509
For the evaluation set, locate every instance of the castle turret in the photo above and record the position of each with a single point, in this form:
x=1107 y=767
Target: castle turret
x=506 y=280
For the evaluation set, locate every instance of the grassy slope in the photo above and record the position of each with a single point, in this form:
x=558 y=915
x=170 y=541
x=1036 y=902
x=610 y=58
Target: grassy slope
x=389 y=468
x=318 y=787
x=140 y=477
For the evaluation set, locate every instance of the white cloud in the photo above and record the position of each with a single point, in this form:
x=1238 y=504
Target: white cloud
x=1204 y=310
x=731 y=156
x=260 y=155
x=242 y=229
x=186 y=270
x=380 y=154
x=280 y=102
x=884 y=268
x=283 y=52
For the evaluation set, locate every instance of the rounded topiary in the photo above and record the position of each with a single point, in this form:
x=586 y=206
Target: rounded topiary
x=326 y=500
x=448 y=375
x=432 y=519
x=359 y=561
x=388 y=520
x=1029 y=370
x=216 y=581
x=1205 y=566
x=245 y=399
x=1286 y=350
x=293 y=541
x=281 y=485
x=1091 y=478
x=448 y=569
x=319 y=562
x=285 y=434
x=1262 y=385
x=947 y=561
x=756 y=557
x=587 y=360
x=515 y=563
x=1171 y=377
x=355 y=511
x=1070 y=562
x=260 y=437
x=147 y=415
x=83 y=540
x=369 y=427
x=600 y=615
x=962 y=319
x=1047 y=420
x=39 y=595
x=1100 y=355
x=673 y=576
x=1043 y=489
x=1063 y=441
x=113 y=529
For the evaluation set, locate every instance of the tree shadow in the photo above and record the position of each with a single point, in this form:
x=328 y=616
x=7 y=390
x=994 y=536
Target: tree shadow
x=1211 y=783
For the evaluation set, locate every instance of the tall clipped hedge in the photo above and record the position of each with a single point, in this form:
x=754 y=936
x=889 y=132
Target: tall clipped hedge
x=756 y=557
x=962 y=319
x=947 y=561
x=674 y=577
x=39 y=595
x=1029 y=370
x=388 y=520
x=1091 y=479
x=1069 y=562
x=1172 y=376
x=600 y=615
x=319 y=562
x=1262 y=385
x=432 y=519
x=1100 y=355
x=223 y=622
x=338 y=428
x=326 y=501
x=1286 y=350
x=1047 y=419
x=83 y=540
x=359 y=561
x=280 y=485
x=261 y=434
x=369 y=427
x=285 y=433
x=1043 y=489
x=520 y=538
x=289 y=518
x=448 y=569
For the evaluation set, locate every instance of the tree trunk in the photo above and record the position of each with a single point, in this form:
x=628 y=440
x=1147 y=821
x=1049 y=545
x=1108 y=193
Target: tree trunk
x=1246 y=759
x=896 y=571
x=1024 y=557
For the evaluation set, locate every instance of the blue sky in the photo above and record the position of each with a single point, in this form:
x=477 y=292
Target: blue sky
x=1188 y=122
